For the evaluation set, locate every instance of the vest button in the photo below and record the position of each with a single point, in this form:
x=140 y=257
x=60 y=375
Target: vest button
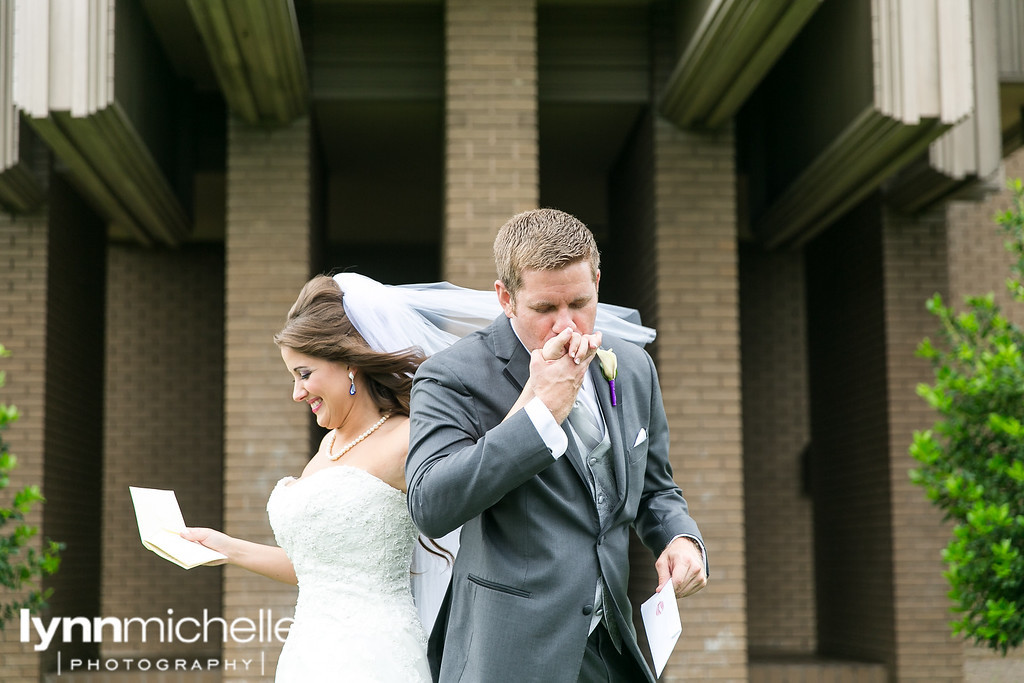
x=588 y=610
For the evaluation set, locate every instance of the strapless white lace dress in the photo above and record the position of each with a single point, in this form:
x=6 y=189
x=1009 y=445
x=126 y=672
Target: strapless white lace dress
x=350 y=538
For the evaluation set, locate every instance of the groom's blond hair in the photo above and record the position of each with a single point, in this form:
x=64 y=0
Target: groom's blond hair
x=542 y=239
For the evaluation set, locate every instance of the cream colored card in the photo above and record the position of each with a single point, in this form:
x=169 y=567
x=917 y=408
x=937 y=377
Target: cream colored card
x=160 y=523
x=660 y=613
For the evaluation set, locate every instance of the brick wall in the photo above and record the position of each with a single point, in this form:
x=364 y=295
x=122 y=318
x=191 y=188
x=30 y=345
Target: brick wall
x=74 y=405
x=781 y=608
x=266 y=435
x=978 y=262
x=164 y=429
x=23 y=303
x=491 y=158
x=699 y=366
x=850 y=468
x=914 y=258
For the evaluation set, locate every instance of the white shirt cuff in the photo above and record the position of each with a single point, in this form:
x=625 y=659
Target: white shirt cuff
x=542 y=419
x=703 y=550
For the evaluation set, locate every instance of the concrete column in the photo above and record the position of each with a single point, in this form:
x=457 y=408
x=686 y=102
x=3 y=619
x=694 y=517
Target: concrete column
x=267 y=260
x=491 y=147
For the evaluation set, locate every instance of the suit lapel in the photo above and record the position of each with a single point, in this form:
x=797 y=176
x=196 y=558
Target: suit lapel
x=614 y=425
x=508 y=348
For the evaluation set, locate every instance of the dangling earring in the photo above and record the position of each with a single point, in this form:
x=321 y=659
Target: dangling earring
x=351 y=387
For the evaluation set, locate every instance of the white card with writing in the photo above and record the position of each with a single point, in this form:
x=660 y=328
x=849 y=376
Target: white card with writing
x=660 y=613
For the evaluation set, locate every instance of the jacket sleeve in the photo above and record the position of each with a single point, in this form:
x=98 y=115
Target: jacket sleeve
x=663 y=512
x=462 y=458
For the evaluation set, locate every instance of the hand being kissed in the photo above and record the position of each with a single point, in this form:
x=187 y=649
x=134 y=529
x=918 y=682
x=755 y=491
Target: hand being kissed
x=557 y=370
x=576 y=345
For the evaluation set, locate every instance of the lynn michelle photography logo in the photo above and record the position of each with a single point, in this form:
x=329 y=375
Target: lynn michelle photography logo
x=43 y=634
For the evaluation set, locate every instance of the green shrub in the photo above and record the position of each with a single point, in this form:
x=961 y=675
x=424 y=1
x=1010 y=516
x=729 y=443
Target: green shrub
x=21 y=566
x=972 y=460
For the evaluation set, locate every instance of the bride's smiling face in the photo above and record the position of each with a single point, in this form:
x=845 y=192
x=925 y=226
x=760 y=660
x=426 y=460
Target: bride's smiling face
x=321 y=384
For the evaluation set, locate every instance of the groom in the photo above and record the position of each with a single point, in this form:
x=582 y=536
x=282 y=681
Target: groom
x=545 y=493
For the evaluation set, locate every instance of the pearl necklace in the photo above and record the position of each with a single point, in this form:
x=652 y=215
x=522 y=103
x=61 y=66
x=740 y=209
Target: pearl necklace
x=356 y=441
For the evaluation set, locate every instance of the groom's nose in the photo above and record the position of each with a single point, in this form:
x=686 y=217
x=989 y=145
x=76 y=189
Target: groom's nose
x=563 y=319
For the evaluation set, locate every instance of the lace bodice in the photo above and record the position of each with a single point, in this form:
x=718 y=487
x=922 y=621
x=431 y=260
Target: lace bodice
x=350 y=539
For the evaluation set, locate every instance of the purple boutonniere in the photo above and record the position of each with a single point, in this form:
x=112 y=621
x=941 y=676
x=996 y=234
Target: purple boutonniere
x=610 y=370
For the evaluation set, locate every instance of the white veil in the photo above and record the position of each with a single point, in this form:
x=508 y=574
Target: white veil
x=431 y=317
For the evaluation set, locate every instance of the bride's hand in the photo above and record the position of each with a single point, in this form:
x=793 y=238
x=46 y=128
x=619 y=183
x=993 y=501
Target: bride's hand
x=557 y=346
x=212 y=539
x=579 y=346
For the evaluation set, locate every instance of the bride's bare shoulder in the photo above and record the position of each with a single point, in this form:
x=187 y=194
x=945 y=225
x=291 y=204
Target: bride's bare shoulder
x=394 y=452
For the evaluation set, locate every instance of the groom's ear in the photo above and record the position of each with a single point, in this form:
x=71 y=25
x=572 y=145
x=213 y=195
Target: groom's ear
x=505 y=299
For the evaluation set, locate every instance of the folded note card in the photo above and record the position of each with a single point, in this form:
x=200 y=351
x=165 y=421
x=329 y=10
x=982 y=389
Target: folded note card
x=160 y=523
x=660 y=613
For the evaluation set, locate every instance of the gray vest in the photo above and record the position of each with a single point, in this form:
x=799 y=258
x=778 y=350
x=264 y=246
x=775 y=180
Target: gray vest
x=602 y=485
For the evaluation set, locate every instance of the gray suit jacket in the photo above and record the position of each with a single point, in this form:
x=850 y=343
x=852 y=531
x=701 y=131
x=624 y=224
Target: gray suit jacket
x=522 y=594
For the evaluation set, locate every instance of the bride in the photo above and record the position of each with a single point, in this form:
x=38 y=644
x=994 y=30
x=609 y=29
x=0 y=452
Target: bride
x=343 y=529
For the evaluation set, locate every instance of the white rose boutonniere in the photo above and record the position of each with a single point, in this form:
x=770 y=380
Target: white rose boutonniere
x=610 y=370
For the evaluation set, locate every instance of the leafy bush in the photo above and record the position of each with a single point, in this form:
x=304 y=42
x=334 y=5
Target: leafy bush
x=20 y=564
x=972 y=460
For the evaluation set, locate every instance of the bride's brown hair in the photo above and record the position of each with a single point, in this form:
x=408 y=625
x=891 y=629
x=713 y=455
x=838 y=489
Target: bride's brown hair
x=318 y=326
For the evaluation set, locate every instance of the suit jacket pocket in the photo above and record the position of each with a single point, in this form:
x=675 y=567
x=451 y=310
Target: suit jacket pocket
x=638 y=451
x=500 y=587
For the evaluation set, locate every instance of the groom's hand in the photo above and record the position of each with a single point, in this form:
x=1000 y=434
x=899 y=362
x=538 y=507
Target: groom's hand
x=557 y=370
x=683 y=563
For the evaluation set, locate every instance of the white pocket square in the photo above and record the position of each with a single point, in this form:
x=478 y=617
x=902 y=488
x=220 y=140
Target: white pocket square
x=640 y=437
